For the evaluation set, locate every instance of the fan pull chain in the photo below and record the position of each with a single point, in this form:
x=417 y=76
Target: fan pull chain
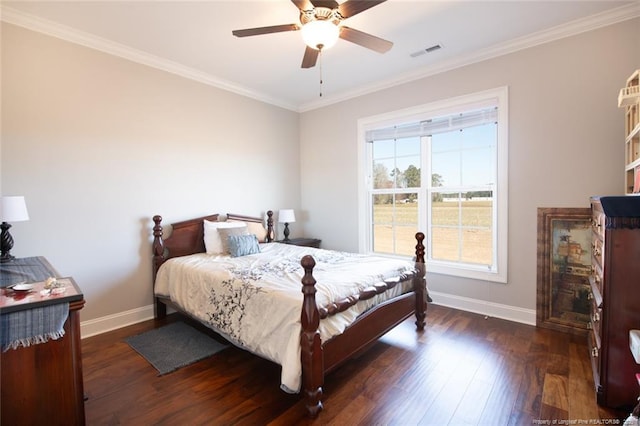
x=320 y=59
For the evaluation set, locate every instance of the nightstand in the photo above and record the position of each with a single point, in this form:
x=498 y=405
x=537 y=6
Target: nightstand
x=41 y=383
x=305 y=242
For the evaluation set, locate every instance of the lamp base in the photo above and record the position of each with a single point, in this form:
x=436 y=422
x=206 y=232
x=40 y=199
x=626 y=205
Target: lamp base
x=6 y=243
x=286 y=232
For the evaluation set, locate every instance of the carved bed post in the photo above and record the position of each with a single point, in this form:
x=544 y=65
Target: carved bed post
x=270 y=232
x=420 y=283
x=312 y=357
x=158 y=258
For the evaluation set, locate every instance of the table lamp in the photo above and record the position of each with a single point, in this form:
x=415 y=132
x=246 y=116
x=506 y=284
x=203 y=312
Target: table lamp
x=286 y=216
x=12 y=209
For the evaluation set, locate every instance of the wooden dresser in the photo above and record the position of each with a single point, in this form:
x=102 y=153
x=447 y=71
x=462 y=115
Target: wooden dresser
x=41 y=383
x=615 y=298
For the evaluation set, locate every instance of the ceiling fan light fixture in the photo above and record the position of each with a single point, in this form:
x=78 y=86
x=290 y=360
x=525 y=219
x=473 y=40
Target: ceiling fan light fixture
x=320 y=33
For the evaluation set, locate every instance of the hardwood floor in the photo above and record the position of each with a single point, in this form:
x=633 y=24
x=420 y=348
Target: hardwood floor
x=462 y=370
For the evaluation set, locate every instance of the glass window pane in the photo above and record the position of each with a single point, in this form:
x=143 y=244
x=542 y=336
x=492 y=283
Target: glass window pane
x=395 y=222
x=382 y=239
x=408 y=146
x=446 y=212
x=412 y=175
x=477 y=246
x=382 y=178
x=409 y=176
x=445 y=244
x=479 y=136
x=478 y=156
x=445 y=158
x=382 y=208
x=477 y=167
x=406 y=209
x=477 y=212
x=383 y=149
x=405 y=239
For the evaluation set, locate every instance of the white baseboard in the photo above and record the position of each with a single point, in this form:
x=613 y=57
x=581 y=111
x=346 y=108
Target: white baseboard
x=526 y=316
x=112 y=322
x=496 y=310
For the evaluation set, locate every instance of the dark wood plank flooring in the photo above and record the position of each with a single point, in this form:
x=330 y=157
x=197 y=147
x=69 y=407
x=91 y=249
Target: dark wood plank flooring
x=462 y=370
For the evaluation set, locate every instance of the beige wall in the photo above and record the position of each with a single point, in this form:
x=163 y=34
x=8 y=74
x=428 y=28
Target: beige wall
x=566 y=144
x=98 y=145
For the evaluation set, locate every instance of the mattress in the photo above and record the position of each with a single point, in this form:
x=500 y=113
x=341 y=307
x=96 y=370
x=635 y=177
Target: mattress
x=255 y=301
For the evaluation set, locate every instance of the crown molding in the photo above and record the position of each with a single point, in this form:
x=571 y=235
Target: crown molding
x=34 y=23
x=613 y=16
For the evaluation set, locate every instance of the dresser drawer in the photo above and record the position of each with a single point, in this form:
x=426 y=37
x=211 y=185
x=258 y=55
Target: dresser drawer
x=597 y=220
x=595 y=285
x=597 y=250
x=596 y=279
x=595 y=325
x=594 y=352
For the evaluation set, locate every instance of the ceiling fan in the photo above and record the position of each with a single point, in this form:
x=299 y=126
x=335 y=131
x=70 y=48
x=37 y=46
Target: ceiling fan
x=320 y=24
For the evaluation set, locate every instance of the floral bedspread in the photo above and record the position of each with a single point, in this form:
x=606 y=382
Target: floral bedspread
x=255 y=301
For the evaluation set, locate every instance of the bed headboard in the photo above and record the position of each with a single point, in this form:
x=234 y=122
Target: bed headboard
x=187 y=237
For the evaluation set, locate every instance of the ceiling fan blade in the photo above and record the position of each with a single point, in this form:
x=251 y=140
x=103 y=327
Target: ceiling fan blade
x=265 y=30
x=310 y=57
x=365 y=40
x=329 y=4
x=352 y=7
x=303 y=4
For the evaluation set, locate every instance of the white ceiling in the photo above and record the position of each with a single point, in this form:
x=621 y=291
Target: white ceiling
x=193 y=39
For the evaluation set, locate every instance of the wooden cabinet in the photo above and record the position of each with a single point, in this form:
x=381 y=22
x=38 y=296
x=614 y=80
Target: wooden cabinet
x=305 y=242
x=615 y=298
x=629 y=99
x=41 y=383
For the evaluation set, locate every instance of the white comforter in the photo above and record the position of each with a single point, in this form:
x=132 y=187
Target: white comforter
x=255 y=301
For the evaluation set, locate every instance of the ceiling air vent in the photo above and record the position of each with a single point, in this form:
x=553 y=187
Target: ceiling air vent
x=426 y=50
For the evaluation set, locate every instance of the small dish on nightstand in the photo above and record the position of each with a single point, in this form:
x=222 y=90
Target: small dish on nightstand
x=21 y=287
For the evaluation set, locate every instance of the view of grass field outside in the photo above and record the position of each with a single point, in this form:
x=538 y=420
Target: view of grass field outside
x=461 y=209
x=460 y=232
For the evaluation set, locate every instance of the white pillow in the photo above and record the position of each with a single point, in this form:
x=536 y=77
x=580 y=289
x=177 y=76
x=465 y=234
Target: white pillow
x=212 y=240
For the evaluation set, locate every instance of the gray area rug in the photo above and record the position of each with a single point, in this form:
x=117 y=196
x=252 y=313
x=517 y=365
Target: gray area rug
x=173 y=346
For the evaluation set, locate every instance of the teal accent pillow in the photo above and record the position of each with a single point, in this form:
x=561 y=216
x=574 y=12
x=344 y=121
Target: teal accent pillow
x=242 y=245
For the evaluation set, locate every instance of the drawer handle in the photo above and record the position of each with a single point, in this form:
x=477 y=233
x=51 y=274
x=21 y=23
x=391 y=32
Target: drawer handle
x=589 y=326
x=590 y=296
x=594 y=352
x=595 y=317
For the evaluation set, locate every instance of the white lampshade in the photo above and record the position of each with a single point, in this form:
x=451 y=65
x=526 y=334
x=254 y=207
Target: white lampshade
x=320 y=32
x=286 y=216
x=13 y=209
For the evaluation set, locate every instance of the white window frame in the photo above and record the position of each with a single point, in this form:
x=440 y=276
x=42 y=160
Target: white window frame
x=417 y=114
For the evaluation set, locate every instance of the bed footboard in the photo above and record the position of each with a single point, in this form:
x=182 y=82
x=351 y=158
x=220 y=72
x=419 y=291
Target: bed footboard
x=318 y=358
x=311 y=346
x=420 y=284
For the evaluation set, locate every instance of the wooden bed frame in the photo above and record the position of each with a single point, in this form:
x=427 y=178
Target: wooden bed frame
x=318 y=358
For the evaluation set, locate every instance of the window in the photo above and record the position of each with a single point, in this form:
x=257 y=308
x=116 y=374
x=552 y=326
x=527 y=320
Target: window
x=440 y=169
